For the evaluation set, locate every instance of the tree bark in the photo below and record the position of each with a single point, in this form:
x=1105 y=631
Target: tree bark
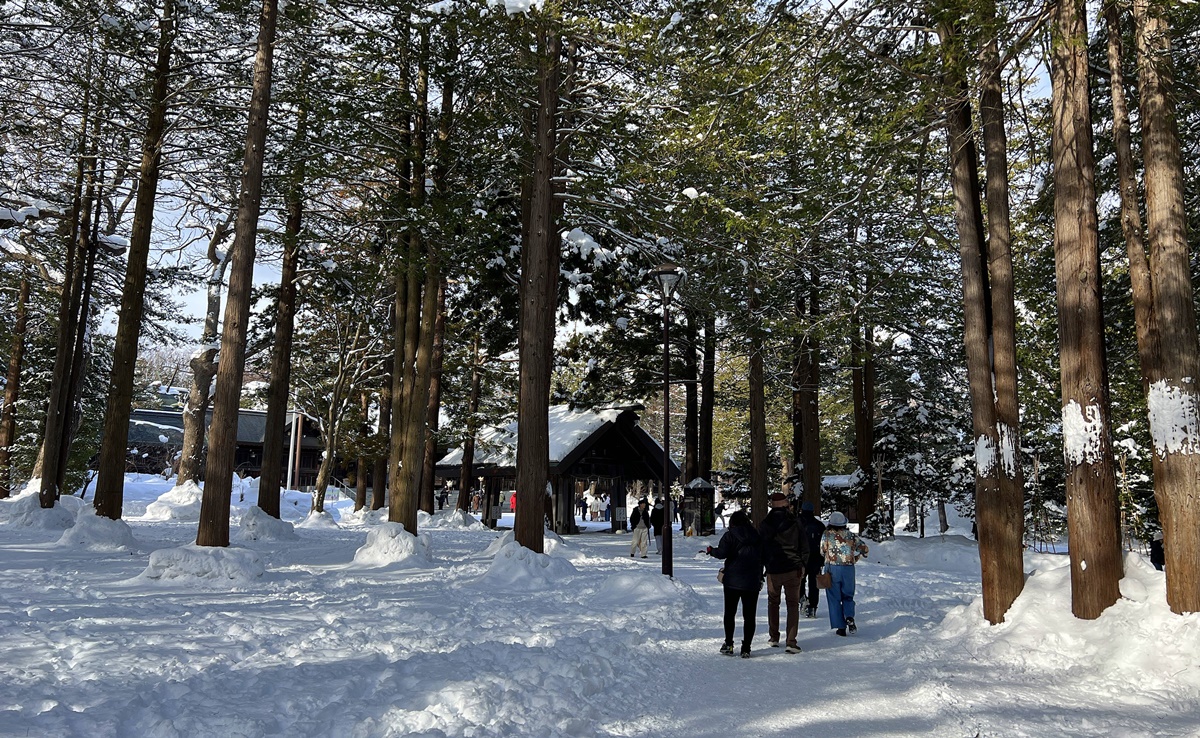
x=538 y=294
x=466 y=476
x=52 y=463
x=214 y=507
x=1174 y=398
x=203 y=365
x=435 y=400
x=278 y=392
x=691 y=402
x=1091 y=487
x=977 y=318
x=1001 y=516
x=12 y=390
x=758 y=416
x=114 y=444
x=708 y=383
x=360 y=474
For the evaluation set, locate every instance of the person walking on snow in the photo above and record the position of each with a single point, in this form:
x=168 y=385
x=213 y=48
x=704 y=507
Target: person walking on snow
x=656 y=521
x=841 y=548
x=719 y=513
x=741 y=550
x=639 y=523
x=813 y=530
x=785 y=554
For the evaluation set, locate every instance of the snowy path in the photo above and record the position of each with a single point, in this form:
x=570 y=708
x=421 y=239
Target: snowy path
x=323 y=646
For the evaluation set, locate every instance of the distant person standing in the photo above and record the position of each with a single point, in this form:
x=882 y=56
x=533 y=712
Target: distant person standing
x=582 y=504
x=813 y=530
x=594 y=507
x=740 y=548
x=1157 y=555
x=841 y=549
x=785 y=554
x=719 y=513
x=639 y=523
x=656 y=522
x=512 y=503
x=443 y=497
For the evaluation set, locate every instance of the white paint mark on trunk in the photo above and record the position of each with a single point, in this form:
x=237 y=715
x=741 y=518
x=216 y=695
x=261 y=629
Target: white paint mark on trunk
x=1174 y=418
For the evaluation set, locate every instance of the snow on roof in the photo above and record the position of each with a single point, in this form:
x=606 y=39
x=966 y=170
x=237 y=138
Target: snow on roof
x=497 y=445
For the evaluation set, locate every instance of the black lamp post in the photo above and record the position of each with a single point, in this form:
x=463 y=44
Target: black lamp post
x=669 y=276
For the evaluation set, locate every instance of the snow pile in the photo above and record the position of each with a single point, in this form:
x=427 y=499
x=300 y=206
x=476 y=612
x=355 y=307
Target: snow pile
x=518 y=568
x=257 y=525
x=449 y=520
x=390 y=543
x=204 y=564
x=365 y=516
x=98 y=533
x=1137 y=640
x=26 y=510
x=181 y=503
x=932 y=552
x=641 y=591
x=318 y=521
x=552 y=544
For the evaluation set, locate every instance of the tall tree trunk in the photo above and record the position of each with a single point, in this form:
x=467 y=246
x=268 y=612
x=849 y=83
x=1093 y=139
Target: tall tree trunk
x=360 y=473
x=418 y=320
x=806 y=379
x=279 y=390
x=435 y=400
x=1145 y=323
x=203 y=364
x=110 y=479
x=538 y=294
x=708 y=384
x=758 y=415
x=1001 y=516
x=977 y=319
x=691 y=423
x=863 y=392
x=222 y=448
x=1091 y=486
x=12 y=390
x=1174 y=398
x=52 y=462
x=379 y=474
x=466 y=476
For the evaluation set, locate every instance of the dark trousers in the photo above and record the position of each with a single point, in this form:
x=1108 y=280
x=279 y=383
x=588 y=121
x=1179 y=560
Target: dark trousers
x=749 y=600
x=814 y=592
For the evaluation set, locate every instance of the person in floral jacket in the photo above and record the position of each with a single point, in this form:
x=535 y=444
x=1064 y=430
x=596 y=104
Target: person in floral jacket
x=841 y=548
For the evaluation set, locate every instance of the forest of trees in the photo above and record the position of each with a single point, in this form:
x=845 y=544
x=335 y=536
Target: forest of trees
x=940 y=245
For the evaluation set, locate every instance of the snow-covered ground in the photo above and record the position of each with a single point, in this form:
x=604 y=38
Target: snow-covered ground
x=346 y=625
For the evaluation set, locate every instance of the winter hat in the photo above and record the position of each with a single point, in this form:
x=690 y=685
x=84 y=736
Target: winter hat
x=778 y=498
x=837 y=520
x=807 y=507
x=658 y=506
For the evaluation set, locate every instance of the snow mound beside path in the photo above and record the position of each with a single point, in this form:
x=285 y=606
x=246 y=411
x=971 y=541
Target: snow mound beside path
x=26 y=510
x=518 y=568
x=257 y=525
x=180 y=503
x=449 y=520
x=950 y=552
x=318 y=521
x=98 y=533
x=1137 y=639
x=552 y=545
x=390 y=543
x=204 y=564
x=640 y=591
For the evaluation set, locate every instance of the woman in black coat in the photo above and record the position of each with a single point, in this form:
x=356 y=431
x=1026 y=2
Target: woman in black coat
x=742 y=552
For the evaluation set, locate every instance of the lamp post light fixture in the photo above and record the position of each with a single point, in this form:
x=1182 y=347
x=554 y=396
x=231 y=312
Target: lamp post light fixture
x=669 y=276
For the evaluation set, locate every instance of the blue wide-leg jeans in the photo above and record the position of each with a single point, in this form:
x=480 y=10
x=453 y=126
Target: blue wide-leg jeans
x=841 y=594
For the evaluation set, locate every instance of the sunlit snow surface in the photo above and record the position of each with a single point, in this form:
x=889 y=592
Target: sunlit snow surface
x=358 y=630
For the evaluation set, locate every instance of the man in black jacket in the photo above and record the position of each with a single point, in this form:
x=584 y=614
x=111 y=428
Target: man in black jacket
x=785 y=553
x=813 y=530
